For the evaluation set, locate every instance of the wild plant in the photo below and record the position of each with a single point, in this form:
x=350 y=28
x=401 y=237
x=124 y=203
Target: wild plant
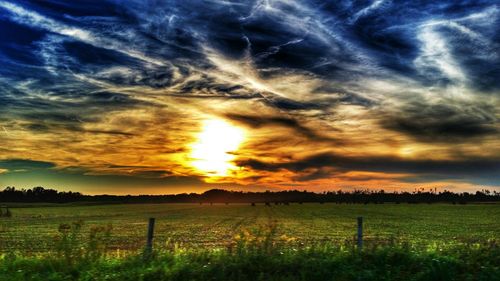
x=71 y=245
x=68 y=241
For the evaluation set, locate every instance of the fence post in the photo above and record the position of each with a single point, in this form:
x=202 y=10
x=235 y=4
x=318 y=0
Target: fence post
x=149 y=243
x=360 y=233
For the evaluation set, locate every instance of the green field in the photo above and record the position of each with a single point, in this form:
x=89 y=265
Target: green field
x=32 y=229
x=241 y=242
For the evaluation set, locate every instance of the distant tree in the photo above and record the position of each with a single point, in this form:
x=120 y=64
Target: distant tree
x=41 y=194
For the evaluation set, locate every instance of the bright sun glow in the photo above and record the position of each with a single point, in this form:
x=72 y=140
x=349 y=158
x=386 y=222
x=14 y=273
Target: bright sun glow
x=212 y=152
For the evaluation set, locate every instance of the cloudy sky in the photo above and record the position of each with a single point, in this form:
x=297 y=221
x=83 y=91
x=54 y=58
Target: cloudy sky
x=152 y=96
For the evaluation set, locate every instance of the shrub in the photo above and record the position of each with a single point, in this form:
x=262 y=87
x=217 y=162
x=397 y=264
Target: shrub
x=71 y=246
x=5 y=212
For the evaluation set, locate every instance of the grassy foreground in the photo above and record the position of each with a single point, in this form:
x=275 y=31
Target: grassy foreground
x=257 y=255
x=267 y=262
x=240 y=242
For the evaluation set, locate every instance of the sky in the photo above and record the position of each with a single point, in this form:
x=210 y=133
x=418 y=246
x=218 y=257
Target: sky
x=160 y=97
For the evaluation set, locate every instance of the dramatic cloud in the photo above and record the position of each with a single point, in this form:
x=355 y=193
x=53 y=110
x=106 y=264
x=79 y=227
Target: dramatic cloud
x=330 y=94
x=445 y=122
x=477 y=168
x=23 y=165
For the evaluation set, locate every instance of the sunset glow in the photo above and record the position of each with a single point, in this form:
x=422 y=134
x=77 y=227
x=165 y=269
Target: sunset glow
x=214 y=150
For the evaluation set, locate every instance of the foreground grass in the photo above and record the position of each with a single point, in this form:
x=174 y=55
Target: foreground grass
x=301 y=242
x=267 y=262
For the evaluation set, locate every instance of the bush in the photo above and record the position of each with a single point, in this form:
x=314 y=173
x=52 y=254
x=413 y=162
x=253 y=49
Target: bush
x=71 y=246
x=5 y=212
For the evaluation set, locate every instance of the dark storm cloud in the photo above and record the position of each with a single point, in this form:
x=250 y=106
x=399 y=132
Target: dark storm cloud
x=25 y=164
x=209 y=87
x=290 y=105
x=449 y=169
x=444 y=122
x=290 y=123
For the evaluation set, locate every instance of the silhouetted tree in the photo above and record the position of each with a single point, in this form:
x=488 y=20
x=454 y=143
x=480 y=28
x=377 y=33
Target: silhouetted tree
x=40 y=194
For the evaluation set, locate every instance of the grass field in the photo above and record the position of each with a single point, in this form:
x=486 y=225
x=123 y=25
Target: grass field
x=241 y=242
x=32 y=229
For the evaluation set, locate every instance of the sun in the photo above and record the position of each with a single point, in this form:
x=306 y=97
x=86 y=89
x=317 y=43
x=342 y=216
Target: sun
x=212 y=153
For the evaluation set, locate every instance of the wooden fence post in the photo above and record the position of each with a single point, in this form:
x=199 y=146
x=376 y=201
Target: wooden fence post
x=149 y=243
x=360 y=233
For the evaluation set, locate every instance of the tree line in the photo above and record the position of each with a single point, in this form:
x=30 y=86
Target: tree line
x=47 y=195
